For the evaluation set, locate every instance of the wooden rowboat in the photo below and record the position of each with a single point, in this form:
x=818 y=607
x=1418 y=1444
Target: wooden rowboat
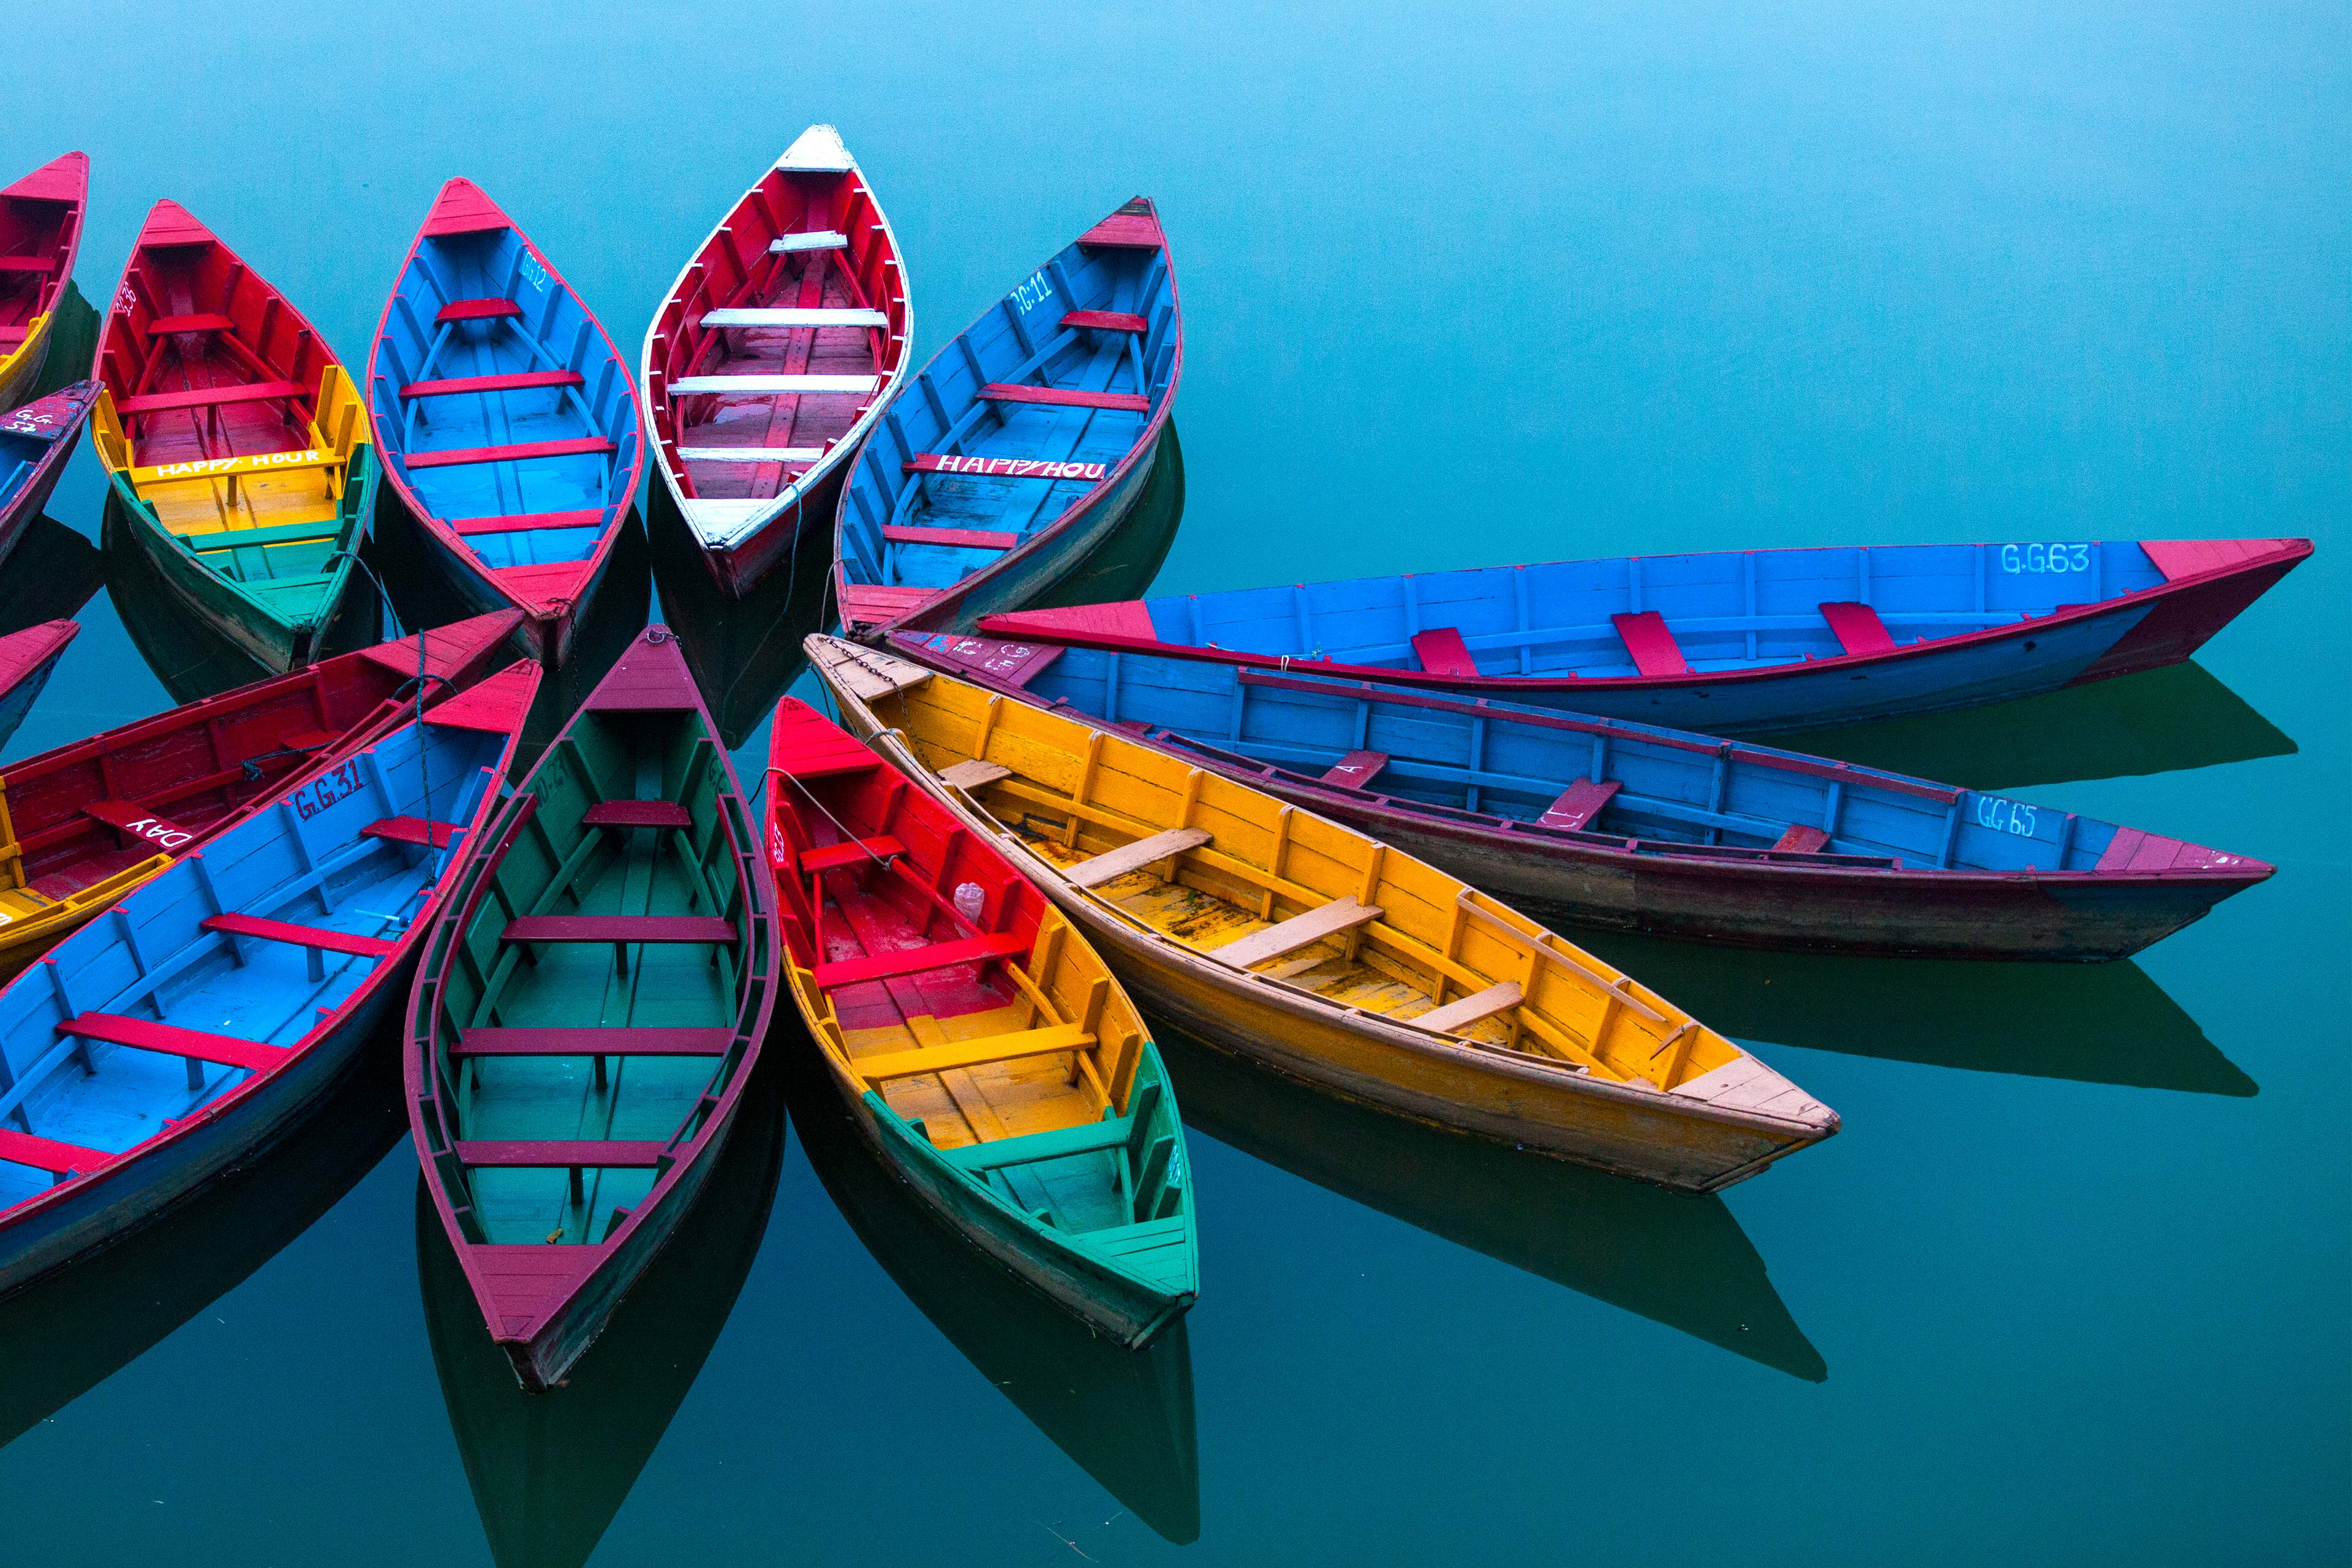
x=26 y=657
x=40 y=236
x=985 y=1051
x=783 y=337
x=589 y=1007
x=37 y=442
x=238 y=445
x=1025 y=443
x=505 y=419
x=1617 y=823
x=223 y=999
x=1302 y=944
x=1734 y=643
x=82 y=824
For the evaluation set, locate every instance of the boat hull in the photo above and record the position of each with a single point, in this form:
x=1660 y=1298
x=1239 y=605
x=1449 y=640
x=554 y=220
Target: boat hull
x=19 y=699
x=546 y=638
x=20 y=372
x=739 y=569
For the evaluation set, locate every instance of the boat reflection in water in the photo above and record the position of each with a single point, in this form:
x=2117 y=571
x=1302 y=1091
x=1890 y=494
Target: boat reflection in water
x=52 y=573
x=549 y=1470
x=1672 y=1258
x=2094 y=1022
x=1124 y=1417
x=66 y=1334
x=746 y=653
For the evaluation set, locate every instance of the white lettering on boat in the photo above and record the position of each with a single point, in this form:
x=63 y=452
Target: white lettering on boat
x=325 y=790
x=1032 y=293
x=201 y=466
x=533 y=271
x=2005 y=815
x=2034 y=560
x=156 y=832
x=1014 y=468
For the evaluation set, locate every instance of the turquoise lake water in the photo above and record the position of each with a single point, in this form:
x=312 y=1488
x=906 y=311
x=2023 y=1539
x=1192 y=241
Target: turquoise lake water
x=1464 y=285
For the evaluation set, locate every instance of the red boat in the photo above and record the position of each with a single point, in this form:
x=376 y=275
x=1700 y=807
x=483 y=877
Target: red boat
x=779 y=346
x=41 y=234
x=26 y=660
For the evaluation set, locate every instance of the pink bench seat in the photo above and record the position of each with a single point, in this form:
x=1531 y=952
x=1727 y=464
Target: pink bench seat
x=412 y=830
x=857 y=852
x=171 y=326
x=477 y=310
x=519 y=381
x=594 y=1043
x=213 y=396
x=619 y=928
x=301 y=935
x=1065 y=397
x=1579 y=804
x=637 y=814
x=1654 y=647
x=1355 y=769
x=525 y=522
x=1857 y=626
x=916 y=960
x=147 y=1035
x=586 y=1153
x=1106 y=320
x=955 y=538
x=1800 y=840
x=27 y=264
x=1441 y=651
x=136 y=820
x=461 y=457
x=47 y=1153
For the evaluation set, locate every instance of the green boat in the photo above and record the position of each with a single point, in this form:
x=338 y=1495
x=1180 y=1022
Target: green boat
x=237 y=447
x=588 y=1009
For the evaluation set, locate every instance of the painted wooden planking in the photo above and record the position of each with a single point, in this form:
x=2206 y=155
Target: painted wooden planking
x=1106 y=320
x=50 y=1154
x=1461 y=1013
x=204 y=322
x=1300 y=931
x=526 y=523
x=619 y=928
x=872 y=673
x=852 y=852
x=794 y=316
x=1103 y=867
x=1002 y=467
x=770 y=386
x=584 y=1154
x=637 y=814
x=412 y=830
x=972 y=1053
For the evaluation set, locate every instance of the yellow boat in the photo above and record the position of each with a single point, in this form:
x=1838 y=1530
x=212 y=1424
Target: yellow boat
x=1274 y=934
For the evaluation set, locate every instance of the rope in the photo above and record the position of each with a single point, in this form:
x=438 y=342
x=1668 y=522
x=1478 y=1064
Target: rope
x=882 y=861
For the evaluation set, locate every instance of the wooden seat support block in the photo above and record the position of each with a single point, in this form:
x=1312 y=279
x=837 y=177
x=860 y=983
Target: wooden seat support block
x=637 y=814
x=856 y=852
x=147 y=1035
x=593 y=1043
x=1858 y=627
x=1802 y=840
x=1134 y=856
x=1579 y=804
x=1460 y=1015
x=1297 y=932
x=1355 y=769
x=974 y=1053
x=918 y=960
x=587 y=1154
x=1652 y=645
x=618 y=927
x=302 y=936
x=1441 y=651
x=47 y=1153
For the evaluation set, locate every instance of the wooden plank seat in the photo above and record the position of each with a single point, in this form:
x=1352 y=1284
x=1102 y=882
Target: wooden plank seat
x=976 y=465
x=28 y=263
x=763 y=385
x=1065 y=397
x=477 y=310
x=974 y=772
x=1300 y=931
x=794 y=316
x=1441 y=651
x=954 y=538
x=972 y=1053
x=833 y=754
x=1355 y=770
x=317 y=936
x=576 y=1042
x=1802 y=840
x=1857 y=626
x=137 y=820
x=312 y=533
x=1031 y=1148
x=213 y=396
x=173 y=326
x=821 y=239
x=59 y=1158
x=412 y=830
x=171 y=1040
x=1135 y=857
x=750 y=455
x=1106 y=321
x=583 y=1154
x=618 y=929
x=526 y=523
x=1652 y=645
x=461 y=457
x=1464 y=1011
x=856 y=852
x=637 y=814
x=1579 y=804
x=515 y=381
x=918 y=960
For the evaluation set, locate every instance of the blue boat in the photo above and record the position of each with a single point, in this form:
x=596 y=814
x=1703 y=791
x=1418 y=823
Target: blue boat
x=1022 y=444
x=36 y=441
x=1729 y=643
x=195 y=1023
x=505 y=419
x=1609 y=822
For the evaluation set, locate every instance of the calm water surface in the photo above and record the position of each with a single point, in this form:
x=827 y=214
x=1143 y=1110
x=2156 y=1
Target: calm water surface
x=1465 y=286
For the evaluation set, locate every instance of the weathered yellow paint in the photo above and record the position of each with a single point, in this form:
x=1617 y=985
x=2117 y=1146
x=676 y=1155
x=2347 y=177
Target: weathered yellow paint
x=257 y=490
x=16 y=364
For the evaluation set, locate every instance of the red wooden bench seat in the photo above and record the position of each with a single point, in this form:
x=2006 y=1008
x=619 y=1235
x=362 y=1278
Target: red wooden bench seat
x=1442 y=652
x=1355 y=769
x=830 y=755
x=518 y=381
x=171 y=326
x=136 y=820
x=957 y=538
x=618 y=927
x=575 y=1042
x=28 y=263
x=857 y=852
x=524 y=522
x=477 y=310
x=600 y=1153
x=412 y=830
x=47 y=1153
x=300 y=935
x=211 y=396
x=1654 y=647
x=1857 y=626
x=1802 y=840
x=637 y=814
x=459 y=457
x=1065 y=397
x=1106 y=320
x=1578 y=805
x=147 y=1035
x=916 y=960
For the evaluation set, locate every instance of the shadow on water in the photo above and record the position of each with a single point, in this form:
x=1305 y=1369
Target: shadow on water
x=65 y=1335
x=549 y=1470
x=51 y=574
x=73 y=343
x=1676 y=1260
x=1124 y=1417
x=2094 y=1023
x=2153 y=723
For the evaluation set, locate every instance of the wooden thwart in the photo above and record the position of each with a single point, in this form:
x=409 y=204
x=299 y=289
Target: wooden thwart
x=1460 y=1015
x=1134 y=856
x=973 y=773
x=569 y=1042
x=974 y=1053
x=1297 y=932
x=59 y=1158
x=918 y=959
x=1355 y=769
x=1579 y=804
x=147 y=1035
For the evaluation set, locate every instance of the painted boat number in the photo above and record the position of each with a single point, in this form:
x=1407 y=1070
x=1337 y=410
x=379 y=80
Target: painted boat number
x=325 y=790
x=2005 y=815
x=1033 y=293
x=533 y=272
x=2034 y=560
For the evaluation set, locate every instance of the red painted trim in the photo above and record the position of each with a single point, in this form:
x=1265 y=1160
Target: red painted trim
x=519 y=381
x=1064 y=396
x=461 y=457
